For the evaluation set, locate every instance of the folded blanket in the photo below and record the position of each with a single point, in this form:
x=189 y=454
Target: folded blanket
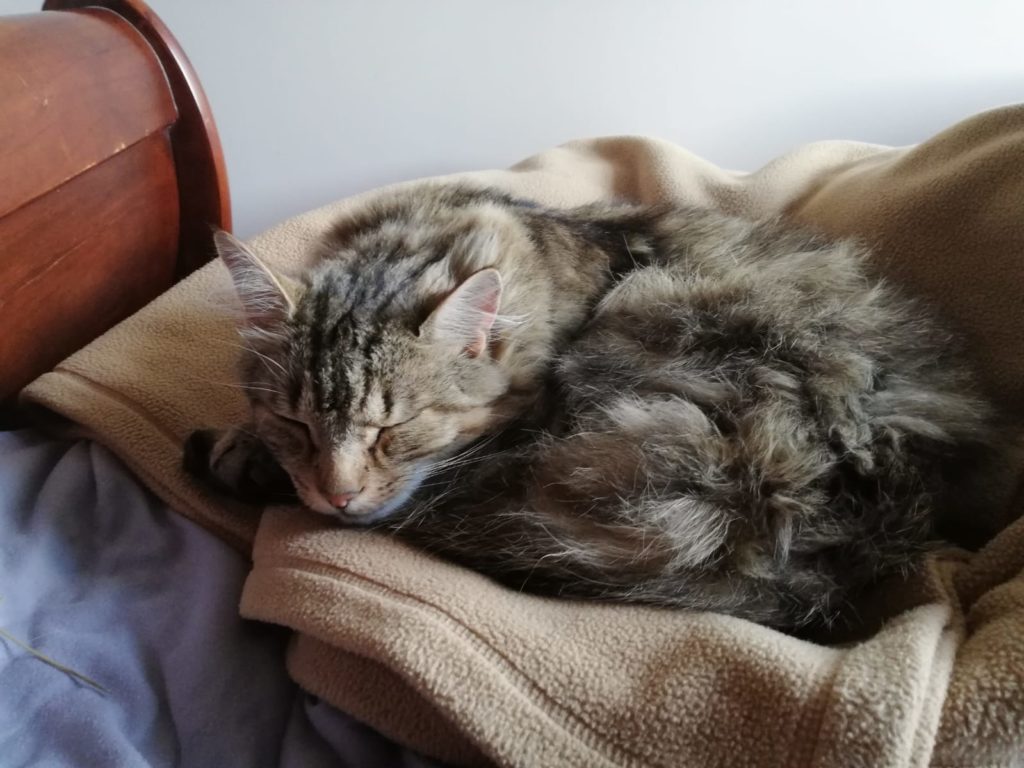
x=460 y=668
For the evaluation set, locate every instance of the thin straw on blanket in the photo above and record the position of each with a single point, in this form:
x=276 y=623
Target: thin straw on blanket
x=53 y=662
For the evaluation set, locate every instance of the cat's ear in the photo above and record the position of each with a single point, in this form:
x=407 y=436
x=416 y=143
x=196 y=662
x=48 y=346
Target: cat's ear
x=464 y=319
x=266 y=296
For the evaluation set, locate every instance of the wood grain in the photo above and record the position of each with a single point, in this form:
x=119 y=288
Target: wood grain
x=78 y=260
x=202 y=174
x=74 y=91
x=111 y=173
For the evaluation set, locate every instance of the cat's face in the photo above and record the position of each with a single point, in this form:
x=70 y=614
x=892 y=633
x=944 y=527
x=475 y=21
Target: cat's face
x=360 y=409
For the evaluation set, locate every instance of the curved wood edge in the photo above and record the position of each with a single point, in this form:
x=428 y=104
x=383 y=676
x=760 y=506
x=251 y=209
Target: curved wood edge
x=61 y=112
x=204 y=196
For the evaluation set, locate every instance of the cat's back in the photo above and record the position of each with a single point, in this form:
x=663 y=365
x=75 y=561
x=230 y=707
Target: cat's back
x=434 y=218
x=411 y=247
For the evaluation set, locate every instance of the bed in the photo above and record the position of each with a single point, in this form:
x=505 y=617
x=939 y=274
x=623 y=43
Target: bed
x=115 y=582
x=111 y=177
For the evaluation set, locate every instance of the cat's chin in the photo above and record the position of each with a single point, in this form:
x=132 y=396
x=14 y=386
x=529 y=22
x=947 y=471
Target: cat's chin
x=388 y=508
x=364 y=520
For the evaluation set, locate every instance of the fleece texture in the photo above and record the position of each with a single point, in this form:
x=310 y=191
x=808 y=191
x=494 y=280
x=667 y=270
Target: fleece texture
x=460 y=668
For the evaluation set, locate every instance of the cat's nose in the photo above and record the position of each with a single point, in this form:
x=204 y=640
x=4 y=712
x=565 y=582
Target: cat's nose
x=341 y=500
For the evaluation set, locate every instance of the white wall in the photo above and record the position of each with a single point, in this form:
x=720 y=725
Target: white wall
x=317 y=99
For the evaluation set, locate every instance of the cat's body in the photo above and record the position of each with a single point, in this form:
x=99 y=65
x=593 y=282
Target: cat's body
x=660 y=405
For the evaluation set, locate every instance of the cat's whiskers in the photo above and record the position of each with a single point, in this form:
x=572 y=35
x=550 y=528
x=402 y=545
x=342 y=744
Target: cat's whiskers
x=466 y=457
x=683 y=473
x=236 y=385
x=268 y=390
x=247 y=387
x=252 y=350
x=266 y=335
x=445 y=465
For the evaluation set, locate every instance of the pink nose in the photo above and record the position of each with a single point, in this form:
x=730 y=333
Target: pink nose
x=341 y=500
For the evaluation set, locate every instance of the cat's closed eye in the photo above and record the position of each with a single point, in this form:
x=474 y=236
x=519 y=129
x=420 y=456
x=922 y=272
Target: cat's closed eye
x=383 y=439
x=688 y=399
x=395 y=424
x=384 y=433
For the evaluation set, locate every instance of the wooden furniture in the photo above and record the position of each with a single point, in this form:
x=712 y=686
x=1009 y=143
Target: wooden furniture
x=111 y=176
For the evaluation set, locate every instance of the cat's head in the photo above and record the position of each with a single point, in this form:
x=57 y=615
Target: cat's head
x=361 y=392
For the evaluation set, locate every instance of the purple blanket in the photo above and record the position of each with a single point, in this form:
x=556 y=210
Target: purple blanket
x=101 y=576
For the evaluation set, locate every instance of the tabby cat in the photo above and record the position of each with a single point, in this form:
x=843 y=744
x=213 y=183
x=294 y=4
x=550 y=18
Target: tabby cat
x=662 y=405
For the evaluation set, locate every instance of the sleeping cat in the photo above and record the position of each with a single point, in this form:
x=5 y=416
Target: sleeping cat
x=660 y=404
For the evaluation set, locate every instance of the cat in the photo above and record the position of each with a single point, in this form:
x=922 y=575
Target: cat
x=653 y=404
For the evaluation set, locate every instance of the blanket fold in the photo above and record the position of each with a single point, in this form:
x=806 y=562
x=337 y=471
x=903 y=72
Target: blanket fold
x=463 y=669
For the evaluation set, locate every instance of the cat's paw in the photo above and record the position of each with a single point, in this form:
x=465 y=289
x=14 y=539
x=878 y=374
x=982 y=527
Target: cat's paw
x=237 y=463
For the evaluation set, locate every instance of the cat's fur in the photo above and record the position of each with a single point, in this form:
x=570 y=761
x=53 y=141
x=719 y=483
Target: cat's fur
x=653 y=404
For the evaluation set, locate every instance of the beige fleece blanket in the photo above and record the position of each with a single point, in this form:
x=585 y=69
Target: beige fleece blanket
x=445 y=661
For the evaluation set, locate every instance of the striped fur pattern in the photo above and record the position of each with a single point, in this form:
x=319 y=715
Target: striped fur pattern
x=659 y=405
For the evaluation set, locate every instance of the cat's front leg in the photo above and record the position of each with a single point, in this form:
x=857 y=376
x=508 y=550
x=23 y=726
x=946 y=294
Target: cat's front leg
x=237 y=463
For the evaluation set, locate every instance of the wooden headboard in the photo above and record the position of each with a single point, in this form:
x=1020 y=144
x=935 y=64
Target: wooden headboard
x=111 y=176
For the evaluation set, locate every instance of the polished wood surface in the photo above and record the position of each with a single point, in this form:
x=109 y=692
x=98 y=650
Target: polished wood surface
x=94 y=277
x=60 y=120
x=202 y=175
x=111 y=175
